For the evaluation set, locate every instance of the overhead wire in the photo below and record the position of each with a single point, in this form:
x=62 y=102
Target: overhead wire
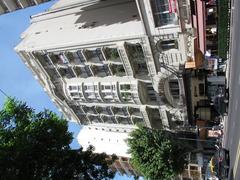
x=5 y=94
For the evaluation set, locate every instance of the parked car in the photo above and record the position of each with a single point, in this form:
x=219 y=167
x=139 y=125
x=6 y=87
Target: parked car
x=218 y=167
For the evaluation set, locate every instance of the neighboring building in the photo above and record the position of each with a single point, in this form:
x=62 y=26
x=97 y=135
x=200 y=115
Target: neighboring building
x=111 y=141
x=204 y=18
x=12 y=5
x=194 y=170
x=191 y=172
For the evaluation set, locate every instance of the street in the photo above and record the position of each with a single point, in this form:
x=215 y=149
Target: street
x=232 y=129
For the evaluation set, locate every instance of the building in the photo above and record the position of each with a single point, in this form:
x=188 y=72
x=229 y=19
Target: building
x=204 y=18
x=12 y=5
x=112 y=64
x=110 y=141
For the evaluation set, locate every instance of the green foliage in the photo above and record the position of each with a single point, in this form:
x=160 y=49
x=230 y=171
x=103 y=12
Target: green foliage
x=112 y=53
x=36 y=146
x=156 y=153
x=223 y=27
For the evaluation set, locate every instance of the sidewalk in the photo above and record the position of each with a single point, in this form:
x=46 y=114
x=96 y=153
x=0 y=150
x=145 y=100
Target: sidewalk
x=229 y=59
x=228 y=76
x=225 y=127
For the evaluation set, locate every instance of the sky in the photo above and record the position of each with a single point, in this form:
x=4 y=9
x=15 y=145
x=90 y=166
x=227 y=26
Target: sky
x=16 y=79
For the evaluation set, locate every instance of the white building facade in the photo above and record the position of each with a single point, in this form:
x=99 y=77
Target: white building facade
x=113 y=64
x=12 y=5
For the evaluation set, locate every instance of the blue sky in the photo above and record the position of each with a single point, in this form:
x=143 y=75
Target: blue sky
x=16 y=79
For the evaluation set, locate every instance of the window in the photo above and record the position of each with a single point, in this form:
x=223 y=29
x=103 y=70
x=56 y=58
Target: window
x=104 y=87
x=195 y=168
x=161 y=14
x=73 y=88
x=125 y=87
x=74 y=94
x=151 y=92
x=193 y=7
x=174 y=88
x=201 y=89
x=168 y=44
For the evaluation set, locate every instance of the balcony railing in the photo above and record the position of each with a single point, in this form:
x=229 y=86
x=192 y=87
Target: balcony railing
x=67 y=72
x=104 y=110
x=100 y=71
x=108 y=119
x=138 y=121
x=135 y=52
x=120 y=111
x=94 y=118
x=94 y=56
x=117 y=70
x=134 y=111
x=75 y=58
x=58 y=59
x=112 y=55
x=137 y=59
x=42 y=58
x=123 y=120
x=82 y=72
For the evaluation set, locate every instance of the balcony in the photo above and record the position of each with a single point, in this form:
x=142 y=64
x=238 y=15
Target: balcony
x=108 y=119
x=112 y=55
x=93 y=96
x=89 y=110
x=82 y=72
x=154 y=118
x=125 y=93
x=42 y=58
x=108 y=96
x=94 y=118
x=66 y=72
x=58 y=58
x=100 y=71
x=138 y=121
x=75 y=96
x=75 y=58
x=59 y=93
x=135 y=52
x=134 y=111
x=120 y=111
x=123 y=120
x=94 y=56
x=137 y=59
x=126 y=97
x=77 y=109
x=53 y=74
x=117 y=70
x=125 y=87
x=104 y=110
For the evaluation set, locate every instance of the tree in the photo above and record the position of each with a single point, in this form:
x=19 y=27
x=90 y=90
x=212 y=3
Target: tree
x=157 y=154
x=36 y=146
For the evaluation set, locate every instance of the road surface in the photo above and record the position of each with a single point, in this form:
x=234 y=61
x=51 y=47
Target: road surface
x=232 y=133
